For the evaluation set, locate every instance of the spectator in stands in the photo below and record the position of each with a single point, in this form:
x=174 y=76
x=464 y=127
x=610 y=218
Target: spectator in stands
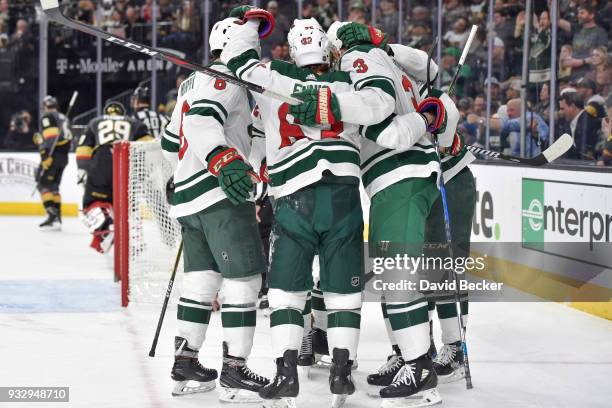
x=594 y=104
x=605 y=154
x=4 y=39
x=504 y=28
x=452 y=11
x=585 y=38
x=565 y=71
x=325 y=13
x=448 y=65
x=496 y=93
x=279 y=35
x=19 y=136
x=86 y=12
x=582 y=126
x=508 y=124
x=421 y=14
x=459 y=34
x=543 y=105
x=602 y=70
x=21 y=38
x=388 y=19
x=539 y=53
x=115 y=25
x=357 y=13
x=133 y=22
x=277 y=52
x=4 y=16
x=418 y=34
x=500 y=67
x=308 y=10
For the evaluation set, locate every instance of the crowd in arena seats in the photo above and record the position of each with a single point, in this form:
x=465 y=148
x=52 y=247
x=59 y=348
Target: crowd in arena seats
x=584 y=60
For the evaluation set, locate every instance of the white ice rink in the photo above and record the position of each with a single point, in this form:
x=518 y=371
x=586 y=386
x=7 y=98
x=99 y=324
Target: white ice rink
x=61 y=325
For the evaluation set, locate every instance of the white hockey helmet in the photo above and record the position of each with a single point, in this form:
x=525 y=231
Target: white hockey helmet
x=308 y=43
x=219 y=35
x=332 y=31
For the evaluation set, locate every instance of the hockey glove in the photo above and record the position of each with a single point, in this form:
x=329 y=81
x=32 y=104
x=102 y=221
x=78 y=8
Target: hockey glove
x=355 y=33
x=245 y=13
x=458 y=144
x=170 y=190
x=234 y=175
x=435 y=107
x=47 y=163
x=318 y=107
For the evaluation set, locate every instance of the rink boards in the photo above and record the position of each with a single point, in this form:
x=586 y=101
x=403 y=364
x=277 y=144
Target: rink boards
x=545 y=230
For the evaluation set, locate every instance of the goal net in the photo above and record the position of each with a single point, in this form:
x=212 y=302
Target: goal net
x=146 y=238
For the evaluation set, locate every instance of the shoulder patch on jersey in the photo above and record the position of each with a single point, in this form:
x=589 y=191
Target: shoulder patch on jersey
x=237 y=64
x=290 y=70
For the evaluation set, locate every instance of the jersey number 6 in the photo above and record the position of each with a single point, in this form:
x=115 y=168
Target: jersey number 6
x=182 y=141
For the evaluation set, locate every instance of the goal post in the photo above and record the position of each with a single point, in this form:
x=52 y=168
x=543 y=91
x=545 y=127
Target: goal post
x=146 y=238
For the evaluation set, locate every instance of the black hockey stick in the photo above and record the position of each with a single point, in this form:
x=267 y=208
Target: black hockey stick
x=51 y=9
x=166 y=299
x=41 y=172
x=554 y=151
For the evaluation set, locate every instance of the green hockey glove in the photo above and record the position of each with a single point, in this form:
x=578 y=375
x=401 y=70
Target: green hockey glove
x=234 y=175
x=352 y=34
x=318 y=107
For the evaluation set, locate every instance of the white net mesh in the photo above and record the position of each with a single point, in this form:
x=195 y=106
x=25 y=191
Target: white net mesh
x=154 y=237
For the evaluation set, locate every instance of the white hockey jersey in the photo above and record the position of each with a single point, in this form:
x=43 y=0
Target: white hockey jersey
x=297 y=156
x=209 y=112
x=392 y=94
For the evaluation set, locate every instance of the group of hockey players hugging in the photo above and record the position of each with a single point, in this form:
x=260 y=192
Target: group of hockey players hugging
x=361 y=119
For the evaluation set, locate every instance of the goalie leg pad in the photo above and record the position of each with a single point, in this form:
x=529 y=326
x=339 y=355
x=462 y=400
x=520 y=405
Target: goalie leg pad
x=96 y=215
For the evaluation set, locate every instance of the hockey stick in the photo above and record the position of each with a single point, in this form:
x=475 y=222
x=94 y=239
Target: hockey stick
x=51 y=9
x=41 y=172
x=466 y=49
x=554 y=151
x=447 y=227
x=166 y=299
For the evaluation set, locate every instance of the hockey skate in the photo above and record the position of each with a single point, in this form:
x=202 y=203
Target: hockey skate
x=284 y=388
x=306 y=358
x=187 y=368
x=340 y=379
x=386 y=373
x=238 y=383
x=448 y=365
x=413 y=386
x=52 y=223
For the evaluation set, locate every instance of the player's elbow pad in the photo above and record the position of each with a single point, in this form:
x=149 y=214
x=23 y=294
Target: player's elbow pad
x=403 y=132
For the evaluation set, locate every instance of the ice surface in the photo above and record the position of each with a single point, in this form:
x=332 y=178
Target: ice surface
x=61 y=325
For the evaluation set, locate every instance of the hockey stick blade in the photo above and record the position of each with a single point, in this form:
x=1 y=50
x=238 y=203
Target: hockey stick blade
x=554 y=151
x=51 y=9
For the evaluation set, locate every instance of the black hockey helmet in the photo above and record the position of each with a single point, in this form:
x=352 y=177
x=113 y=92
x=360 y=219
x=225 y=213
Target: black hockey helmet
x=141 y=94
x=50 y=102
x=114 y=108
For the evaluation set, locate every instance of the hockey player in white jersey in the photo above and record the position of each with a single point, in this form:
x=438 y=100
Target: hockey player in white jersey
x=207 y=142
x=401 y=184
x=461 y=193
x=314 y=177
